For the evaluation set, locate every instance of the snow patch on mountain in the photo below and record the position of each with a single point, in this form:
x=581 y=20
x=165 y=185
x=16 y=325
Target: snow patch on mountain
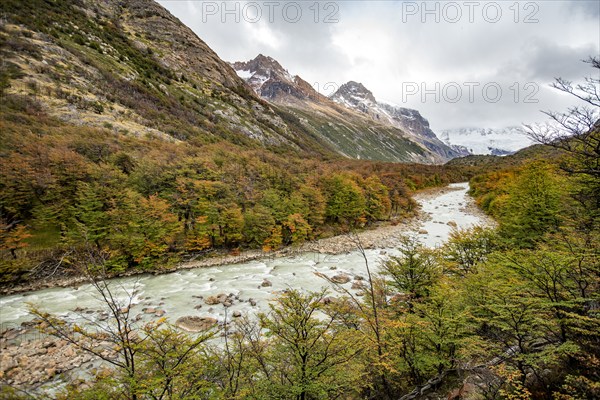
x=245 y=74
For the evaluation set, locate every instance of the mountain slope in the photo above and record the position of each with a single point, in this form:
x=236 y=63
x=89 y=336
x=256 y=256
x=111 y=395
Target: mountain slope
x=136 y=68
x=351 y=127
x=355 y=96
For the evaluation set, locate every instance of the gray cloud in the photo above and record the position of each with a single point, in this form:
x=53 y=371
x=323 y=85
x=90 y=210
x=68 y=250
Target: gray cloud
x=387 y=45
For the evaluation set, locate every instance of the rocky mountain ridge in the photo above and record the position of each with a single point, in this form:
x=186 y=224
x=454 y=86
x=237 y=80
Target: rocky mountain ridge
x=355 y=95
x=275 y=84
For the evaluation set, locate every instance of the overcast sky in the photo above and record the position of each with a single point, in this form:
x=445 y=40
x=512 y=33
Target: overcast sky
x=449 y=60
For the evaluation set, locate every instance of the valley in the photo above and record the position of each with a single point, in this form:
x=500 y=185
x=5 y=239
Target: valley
x=176 y=226
x=241 y=289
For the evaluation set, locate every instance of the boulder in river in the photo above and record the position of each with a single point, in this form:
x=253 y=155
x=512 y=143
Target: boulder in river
x=266 y=283
x=358 y=285
x=195 y=324
x=237 y=314
x=452 y=224
x=341 y=278
x=423 y=232
x=211 y=300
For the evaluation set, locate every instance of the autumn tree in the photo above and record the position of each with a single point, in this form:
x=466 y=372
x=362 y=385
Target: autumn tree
x=468 y=248
x=377 y=199
x=532 y=206
x=258 y=224
x=345 y=199
x=13 y=237
x=414 y=271
x=311 y=355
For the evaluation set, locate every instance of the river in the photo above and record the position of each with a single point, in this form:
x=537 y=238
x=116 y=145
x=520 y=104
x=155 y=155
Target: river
x=184 y=292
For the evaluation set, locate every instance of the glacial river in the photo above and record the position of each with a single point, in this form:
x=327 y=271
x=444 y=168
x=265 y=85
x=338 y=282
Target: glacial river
x=184 y=292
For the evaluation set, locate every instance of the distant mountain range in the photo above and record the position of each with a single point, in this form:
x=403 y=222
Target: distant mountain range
x=356 y=123
x=498 y=142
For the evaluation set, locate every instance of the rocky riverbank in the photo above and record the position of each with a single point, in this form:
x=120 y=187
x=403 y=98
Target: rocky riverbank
x=30 y=359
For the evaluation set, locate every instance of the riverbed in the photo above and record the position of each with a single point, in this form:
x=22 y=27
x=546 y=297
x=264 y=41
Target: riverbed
x=249 y=286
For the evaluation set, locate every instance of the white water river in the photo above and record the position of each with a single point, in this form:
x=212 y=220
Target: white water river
x=178 y=293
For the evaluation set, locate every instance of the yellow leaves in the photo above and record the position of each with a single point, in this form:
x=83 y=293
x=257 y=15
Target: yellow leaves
x=398 y=324
x=274 y=241
x=298 y=227
x=513 y=388
x=158 y=209
x=197 y=243
x=13 y=239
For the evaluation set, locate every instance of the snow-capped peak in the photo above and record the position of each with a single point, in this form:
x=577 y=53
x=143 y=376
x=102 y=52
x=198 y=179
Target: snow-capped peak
x=260 y=70
x=501 y=141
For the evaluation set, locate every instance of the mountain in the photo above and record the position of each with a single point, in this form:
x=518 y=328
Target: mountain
x=136 y=68
x=347 y=120
x=355 y=96
x=272 y=82
x=498 y=142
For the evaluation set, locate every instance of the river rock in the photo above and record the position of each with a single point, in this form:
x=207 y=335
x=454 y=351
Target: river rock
x=223 y=298
x=252 y=302
x=266 y=283
x=212 y=300
x=358 y=285
x=452 y=224
x=159 y=313
x=195 y=324
x=341 y=278
x=237 y=314
x=423 y=232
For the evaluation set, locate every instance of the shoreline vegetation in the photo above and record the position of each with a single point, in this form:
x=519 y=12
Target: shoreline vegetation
x=381 y=235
